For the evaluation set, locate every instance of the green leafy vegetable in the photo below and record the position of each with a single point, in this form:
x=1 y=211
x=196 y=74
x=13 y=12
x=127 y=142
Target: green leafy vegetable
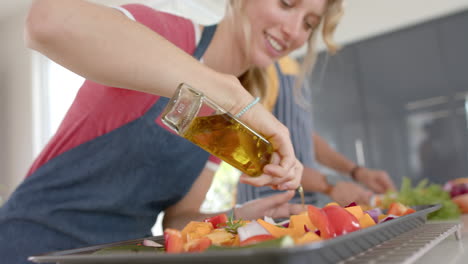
x=232 y=225
x=423 y=194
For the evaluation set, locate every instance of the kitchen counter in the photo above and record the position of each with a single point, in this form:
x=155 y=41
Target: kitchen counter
x=434 y=242
x=450 y=250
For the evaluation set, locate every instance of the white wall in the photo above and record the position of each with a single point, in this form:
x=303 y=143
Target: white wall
x=365 y=18
x=16 y=104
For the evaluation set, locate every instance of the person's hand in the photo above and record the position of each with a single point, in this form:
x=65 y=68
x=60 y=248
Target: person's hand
x=345 y=193
x=275 y=206
x=276 y=181
x=376 y=180
x=285 y=170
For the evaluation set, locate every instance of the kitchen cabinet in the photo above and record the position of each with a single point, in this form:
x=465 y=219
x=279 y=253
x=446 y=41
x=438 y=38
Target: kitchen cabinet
x=336 y=102
x=454 y=48
x=453 y=41
x=404 y=96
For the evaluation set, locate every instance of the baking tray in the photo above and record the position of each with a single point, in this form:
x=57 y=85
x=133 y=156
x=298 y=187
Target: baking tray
x=328 y=251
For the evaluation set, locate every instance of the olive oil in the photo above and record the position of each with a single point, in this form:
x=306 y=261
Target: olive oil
x=301 y=193
x=232 y=141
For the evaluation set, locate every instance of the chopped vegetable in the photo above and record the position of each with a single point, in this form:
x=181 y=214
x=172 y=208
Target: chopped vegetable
x=462 y=202
x=458 y=190
x=308 y=237
x=319 y=219
x=315 y=224
x=233 y=225
x=388 y=218
x=341 y=220
x=198 y=245
x=399 y=209
x=217 y=221
x=256 y=239
x=151 y=243
x=374 y=213
x=195 y=230
x=366 y=220
x=424 y=194
x=355 y=210
x=221 y=237
x=301 y=223
x=351 y=205
x=275 y=230
x=251 y=229
x=173 y=241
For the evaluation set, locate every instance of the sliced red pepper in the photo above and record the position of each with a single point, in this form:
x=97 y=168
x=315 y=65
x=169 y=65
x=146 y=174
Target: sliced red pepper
x=199 y=245
x=173 y=241
x=256 y=239
x=320 y=221
x=217 y=221
x=341 y=220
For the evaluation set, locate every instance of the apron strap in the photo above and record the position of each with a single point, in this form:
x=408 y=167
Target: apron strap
x=207 y=36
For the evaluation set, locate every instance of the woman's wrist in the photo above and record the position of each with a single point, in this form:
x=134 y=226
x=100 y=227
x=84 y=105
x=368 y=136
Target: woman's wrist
x=354 y=171
x=237 y=97
x=328 y=187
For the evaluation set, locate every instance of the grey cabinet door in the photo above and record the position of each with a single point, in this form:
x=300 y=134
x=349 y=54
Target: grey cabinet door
x=454 y=48
x=409 y=80
x=453 y=34
x=398 y=70
x=337 y=106
x=399 y=101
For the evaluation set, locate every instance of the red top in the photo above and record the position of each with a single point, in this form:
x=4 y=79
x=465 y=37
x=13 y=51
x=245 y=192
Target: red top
x=117 y=106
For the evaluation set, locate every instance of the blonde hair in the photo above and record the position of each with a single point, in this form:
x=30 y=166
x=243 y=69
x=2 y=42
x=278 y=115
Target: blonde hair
x=255 y=80
x=330 y=20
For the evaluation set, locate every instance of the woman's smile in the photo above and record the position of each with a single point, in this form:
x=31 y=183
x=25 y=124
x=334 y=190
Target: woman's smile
x=274 y=46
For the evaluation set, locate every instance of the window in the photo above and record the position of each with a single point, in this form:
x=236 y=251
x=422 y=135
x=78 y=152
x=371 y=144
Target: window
x=62 y=88
x=54 y=90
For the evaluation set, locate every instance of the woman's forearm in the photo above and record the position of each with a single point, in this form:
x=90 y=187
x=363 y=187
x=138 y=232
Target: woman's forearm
x=329 y=157
x=103 y=45
x=314 y=181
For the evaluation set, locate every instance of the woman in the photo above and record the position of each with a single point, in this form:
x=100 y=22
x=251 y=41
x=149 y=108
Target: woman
x=311 y=149
x=112 y=166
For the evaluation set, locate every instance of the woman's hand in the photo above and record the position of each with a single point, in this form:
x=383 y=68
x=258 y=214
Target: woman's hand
x=376 y=180
x=284 y=171
x=345 y=193
x=275 y=206
x=276 y=177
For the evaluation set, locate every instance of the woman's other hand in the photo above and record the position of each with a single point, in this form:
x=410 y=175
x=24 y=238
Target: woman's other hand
x=275 y=206
x=377 y=180
x=345 y=193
